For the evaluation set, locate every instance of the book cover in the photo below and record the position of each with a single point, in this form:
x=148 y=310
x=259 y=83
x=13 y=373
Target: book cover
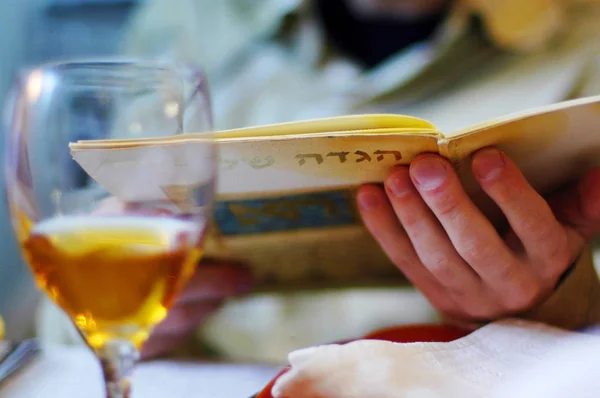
x=285 y=200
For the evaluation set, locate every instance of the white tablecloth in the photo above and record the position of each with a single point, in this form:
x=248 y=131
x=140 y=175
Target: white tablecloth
x=67 y=372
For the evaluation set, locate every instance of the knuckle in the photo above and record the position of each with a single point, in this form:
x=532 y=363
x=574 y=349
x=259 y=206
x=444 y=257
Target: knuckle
x=536 y=226
x=506 y=192
x=507 y=274
x=522 y=298
x=532 y=227
x=446 y=205
x=554 y=255
x=443 y=269
x=411 y=220
x=476 y=252
x=558 y=250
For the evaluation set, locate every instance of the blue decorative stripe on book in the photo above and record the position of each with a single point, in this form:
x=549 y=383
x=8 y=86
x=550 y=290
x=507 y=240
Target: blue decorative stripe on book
x=288 y=213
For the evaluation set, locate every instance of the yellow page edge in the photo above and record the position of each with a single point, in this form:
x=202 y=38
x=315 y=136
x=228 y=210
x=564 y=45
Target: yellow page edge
x=331 y=125
x=123 y=144
x=365 y=124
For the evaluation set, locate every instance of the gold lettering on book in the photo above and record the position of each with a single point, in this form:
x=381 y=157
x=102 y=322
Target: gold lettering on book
x=227 y=164
x=381 y=154
x=260 y=163
x=303 y=157
x=363 y=156
x=343 y=156
x=340 y=155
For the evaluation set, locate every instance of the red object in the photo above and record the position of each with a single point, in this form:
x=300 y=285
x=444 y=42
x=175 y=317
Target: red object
x=400 y=334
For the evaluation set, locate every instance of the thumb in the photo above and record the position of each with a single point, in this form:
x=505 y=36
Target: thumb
x=578 y=206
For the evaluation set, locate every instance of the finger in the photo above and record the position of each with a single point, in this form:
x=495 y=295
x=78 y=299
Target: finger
x=579 y=205
x=213 y=281
x=158 y=347
x=469 y=230
x=380 y=220
x=529 y=215
x=425 y=233
x=180 y=323
x=183 y=318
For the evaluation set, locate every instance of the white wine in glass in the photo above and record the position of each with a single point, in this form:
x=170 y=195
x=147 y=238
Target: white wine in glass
x=114 y=266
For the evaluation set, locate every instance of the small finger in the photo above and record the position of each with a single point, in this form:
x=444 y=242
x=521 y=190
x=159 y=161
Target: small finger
x=177 y=327
x=579 y=205
x=185 y=317
x=529 y=215
x=213 y=281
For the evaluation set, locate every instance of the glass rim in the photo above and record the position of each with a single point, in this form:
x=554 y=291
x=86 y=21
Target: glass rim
x=148 y=63
x=185 y=70
x=109 y=59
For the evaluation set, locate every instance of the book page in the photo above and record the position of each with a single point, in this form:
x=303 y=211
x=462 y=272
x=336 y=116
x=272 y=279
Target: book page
x=552 y=146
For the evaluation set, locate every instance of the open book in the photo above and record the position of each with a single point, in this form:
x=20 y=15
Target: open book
x=285 y=192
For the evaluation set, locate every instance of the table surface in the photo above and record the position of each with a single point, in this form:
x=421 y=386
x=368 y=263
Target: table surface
x=73 y=372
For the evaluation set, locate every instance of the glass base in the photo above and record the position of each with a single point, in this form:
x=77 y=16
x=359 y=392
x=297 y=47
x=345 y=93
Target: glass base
x=118 y=359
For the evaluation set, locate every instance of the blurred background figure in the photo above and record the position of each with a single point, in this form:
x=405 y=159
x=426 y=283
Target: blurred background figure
x=453 y=62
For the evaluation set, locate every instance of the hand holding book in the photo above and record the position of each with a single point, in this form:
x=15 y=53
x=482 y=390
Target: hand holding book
x=475 y=274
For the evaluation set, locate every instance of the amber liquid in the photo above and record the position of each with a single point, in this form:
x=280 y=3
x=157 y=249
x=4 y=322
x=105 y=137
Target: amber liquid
x=115 y=277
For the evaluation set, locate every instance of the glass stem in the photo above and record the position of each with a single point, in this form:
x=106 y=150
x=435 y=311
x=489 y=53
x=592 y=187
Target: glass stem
x=118 y=359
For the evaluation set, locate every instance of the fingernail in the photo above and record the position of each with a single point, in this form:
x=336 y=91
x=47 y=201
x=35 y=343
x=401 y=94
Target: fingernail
x=488 y=164
x=399 y=183
x=368 y=201
x=429 y=173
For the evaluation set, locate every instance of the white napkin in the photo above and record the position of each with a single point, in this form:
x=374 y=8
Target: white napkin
x=510 y=358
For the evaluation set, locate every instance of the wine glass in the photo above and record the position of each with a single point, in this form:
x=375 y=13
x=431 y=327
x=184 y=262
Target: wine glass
x=114 y=266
